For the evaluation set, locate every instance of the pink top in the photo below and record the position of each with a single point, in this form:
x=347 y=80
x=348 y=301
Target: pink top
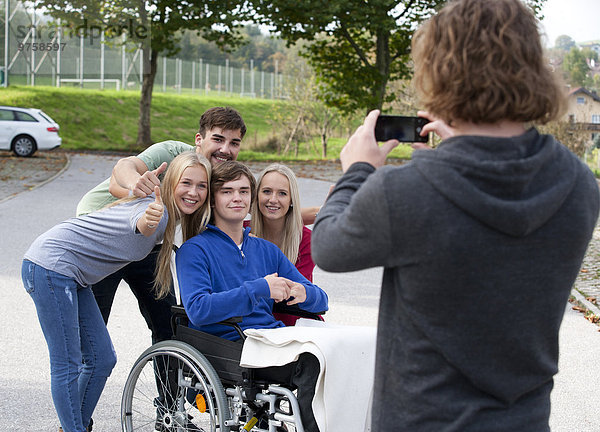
x=304 y=263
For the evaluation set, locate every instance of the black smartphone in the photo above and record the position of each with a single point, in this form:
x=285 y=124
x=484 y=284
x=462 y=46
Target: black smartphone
x=404 y=129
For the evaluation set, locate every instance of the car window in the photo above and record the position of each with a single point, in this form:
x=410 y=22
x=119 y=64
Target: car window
x=21 y=116
x=45 y=117
x=6 y=115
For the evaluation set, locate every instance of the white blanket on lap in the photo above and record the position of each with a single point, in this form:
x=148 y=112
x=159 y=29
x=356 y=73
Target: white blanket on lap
x=344 y=388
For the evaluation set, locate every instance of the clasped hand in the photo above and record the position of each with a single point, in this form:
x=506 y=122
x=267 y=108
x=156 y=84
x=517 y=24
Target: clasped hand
x=284 y=289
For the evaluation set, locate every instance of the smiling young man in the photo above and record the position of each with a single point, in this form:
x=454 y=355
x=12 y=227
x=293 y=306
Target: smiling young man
x=219 y=137
x=223 y=272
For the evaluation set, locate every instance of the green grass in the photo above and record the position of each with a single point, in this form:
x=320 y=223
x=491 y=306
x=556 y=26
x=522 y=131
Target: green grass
x=107 y=120
x=312 y=150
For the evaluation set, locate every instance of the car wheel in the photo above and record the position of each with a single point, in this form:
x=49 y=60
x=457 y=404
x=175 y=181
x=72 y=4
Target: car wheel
x=24 y=146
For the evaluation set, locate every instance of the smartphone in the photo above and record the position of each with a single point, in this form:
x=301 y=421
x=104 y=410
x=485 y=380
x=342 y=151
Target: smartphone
x=404 y=129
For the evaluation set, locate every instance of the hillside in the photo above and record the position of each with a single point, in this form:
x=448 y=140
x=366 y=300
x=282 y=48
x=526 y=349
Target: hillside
x=107 y=120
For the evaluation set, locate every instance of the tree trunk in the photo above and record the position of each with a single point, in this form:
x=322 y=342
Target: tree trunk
x=382 y=63
x=144 y=138
x=292 y=134
x=324 y=129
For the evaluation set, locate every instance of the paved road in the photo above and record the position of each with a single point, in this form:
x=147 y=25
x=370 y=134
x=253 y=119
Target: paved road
x=25 y=401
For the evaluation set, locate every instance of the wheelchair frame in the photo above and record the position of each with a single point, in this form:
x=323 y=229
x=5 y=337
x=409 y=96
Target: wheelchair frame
x=203 y=386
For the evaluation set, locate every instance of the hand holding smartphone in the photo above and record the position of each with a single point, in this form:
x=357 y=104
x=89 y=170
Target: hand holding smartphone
x=403 y=129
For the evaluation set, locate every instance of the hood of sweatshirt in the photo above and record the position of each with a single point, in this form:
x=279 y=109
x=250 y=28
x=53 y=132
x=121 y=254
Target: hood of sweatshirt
x=513 y=185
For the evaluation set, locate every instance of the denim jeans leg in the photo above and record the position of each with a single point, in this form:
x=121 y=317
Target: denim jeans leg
x=55 y=299
x=98 y=353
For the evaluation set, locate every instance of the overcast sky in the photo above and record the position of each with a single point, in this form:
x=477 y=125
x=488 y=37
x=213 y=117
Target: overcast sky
x=579 y=19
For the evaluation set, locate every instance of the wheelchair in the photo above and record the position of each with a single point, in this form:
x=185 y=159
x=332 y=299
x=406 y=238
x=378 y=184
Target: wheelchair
x=203 y=387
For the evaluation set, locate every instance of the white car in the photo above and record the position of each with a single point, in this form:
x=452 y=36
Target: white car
x=25 y=130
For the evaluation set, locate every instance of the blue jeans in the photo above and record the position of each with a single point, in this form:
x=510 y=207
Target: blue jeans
x=74 y=330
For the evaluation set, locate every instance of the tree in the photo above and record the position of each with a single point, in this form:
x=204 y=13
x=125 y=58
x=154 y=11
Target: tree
x=300 y=89
x=305 y=116
x=596 y=83
x=357 y=47
x=564 y=43
x=574 y=136
x=575 y=64
x=158 y=27
x=256 y=46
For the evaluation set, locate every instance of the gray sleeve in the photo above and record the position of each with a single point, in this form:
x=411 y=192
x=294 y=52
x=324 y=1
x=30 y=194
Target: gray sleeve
x=353 y=229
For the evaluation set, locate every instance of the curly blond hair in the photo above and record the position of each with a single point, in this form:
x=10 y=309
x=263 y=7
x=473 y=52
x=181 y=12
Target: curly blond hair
x=482 y=61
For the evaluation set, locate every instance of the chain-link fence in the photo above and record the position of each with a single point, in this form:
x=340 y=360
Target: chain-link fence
x=35 y=52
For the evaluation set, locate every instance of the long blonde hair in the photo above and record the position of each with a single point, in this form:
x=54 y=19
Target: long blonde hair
x=292 y=233
x=191 y=225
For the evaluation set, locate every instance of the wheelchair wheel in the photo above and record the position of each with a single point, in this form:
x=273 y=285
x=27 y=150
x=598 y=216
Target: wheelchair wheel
x=173 y=388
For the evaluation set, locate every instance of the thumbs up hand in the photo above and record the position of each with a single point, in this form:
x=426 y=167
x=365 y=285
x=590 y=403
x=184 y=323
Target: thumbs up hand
x=153 y=214
x=158 y=198
x=147 y=181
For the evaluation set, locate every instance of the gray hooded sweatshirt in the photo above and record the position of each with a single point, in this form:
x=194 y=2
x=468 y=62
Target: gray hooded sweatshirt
x=481 y=240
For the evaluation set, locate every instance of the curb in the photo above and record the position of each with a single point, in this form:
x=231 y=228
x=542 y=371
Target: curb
x=48 y=180
x=589 y=305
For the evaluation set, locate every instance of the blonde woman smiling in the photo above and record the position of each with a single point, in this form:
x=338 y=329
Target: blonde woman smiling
x=276 y=216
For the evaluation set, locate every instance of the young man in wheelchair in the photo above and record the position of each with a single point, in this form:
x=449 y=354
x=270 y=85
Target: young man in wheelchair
x=225 y=273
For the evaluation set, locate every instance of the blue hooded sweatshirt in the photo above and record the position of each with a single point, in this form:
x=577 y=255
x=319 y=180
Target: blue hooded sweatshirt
x=218 y=280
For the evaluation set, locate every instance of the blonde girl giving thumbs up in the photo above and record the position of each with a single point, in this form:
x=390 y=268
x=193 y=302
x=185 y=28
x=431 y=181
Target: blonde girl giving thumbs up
x=62 y=263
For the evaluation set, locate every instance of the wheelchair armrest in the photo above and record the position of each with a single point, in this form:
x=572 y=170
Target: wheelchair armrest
x=234 y=322
x=179 y=316
x=178 y=310
x=284 y=308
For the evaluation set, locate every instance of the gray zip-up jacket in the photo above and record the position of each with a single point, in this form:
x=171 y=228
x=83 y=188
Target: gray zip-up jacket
x=481 y=240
